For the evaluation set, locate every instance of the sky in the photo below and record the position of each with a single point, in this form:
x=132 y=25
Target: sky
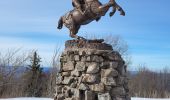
x=31 y=24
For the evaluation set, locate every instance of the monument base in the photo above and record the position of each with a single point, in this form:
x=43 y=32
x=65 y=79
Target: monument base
x=91 y=70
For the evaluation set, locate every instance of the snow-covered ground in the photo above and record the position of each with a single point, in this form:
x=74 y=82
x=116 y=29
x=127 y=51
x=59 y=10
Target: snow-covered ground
x=52 y=99
x=28 y=99
x=149 y=99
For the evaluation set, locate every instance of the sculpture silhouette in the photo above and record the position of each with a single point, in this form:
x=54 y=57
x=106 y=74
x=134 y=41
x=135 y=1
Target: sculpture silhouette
x=90 y=10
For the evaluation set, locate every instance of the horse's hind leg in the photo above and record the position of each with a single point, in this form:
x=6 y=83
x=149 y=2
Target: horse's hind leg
x=74 y=31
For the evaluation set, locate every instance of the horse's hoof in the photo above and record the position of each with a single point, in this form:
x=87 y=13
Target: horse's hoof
x=59 y=27
x=111 y=14
x=122 y=13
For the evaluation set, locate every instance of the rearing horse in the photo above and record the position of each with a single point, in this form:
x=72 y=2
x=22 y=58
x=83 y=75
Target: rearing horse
x=93 y=10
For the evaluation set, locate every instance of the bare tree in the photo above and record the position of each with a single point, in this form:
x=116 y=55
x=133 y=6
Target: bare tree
x=55 y=64
x=118 y=44
x=150 y=84
x=10 y=62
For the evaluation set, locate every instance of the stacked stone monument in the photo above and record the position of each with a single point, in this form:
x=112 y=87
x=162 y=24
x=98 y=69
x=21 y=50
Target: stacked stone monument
x=91 y=70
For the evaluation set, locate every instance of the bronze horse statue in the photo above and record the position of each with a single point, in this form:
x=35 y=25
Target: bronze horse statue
x=93 y=10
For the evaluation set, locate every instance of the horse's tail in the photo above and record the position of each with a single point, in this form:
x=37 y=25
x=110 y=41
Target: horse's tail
x=60 y=23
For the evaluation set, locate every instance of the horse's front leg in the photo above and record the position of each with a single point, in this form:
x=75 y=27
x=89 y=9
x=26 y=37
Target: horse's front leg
x=119 y=8
x=113 y=11
x=105 y=7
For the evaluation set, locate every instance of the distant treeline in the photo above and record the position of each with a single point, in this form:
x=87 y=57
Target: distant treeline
x=149 y=84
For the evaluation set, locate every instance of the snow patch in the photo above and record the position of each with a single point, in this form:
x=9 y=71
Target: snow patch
x=136 y=98
x=133 y=98
x=28 y=99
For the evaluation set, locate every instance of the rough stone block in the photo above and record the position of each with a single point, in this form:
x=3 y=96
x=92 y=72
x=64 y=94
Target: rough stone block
x=87 y=78
x=120 y=98
x=121 y=80
x=80 y=66
x=114 y=56
x=70 y=52
x=96 y=58
x=113 y=64
x=76 y=98
x=58 y=89
x=73 y=85
x=67 y=80
x=105 y=65
x=65 y=73
x=70 y=57
x=93 y=68
x=89 y=95
x=99 y=52
x=83 y=86
x=82 y=52
x=76 y=52
x=59 y=79
x=69 y=66
x=63 y=59
x=118 y=91
x=66 y=91
x=77 y=94
x=122 y=70
x=83 y=58
x=108 y=81
x=105 y=96
x=97 y=87
x=108 y=88
x=126 y=87
x=77 y=58
x=91 y=52
x=64 y=53
x=109 y=73
x=75 y=73
x=68 y=99
x=88 y=58
x=60 y=97
x=88 y=63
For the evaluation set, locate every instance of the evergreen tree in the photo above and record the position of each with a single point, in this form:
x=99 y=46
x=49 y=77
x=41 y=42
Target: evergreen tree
x=35 y=63
x=34 y=77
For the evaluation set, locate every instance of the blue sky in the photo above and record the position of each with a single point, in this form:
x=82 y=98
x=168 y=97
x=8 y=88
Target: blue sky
x=31 y=24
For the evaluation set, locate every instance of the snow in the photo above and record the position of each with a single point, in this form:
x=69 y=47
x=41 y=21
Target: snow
x=134 y=98
x=28 y=99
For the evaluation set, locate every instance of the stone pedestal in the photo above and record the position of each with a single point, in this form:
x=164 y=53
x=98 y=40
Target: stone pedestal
x=91 y=70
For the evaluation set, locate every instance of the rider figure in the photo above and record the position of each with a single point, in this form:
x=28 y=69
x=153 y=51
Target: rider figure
x=78 y=4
